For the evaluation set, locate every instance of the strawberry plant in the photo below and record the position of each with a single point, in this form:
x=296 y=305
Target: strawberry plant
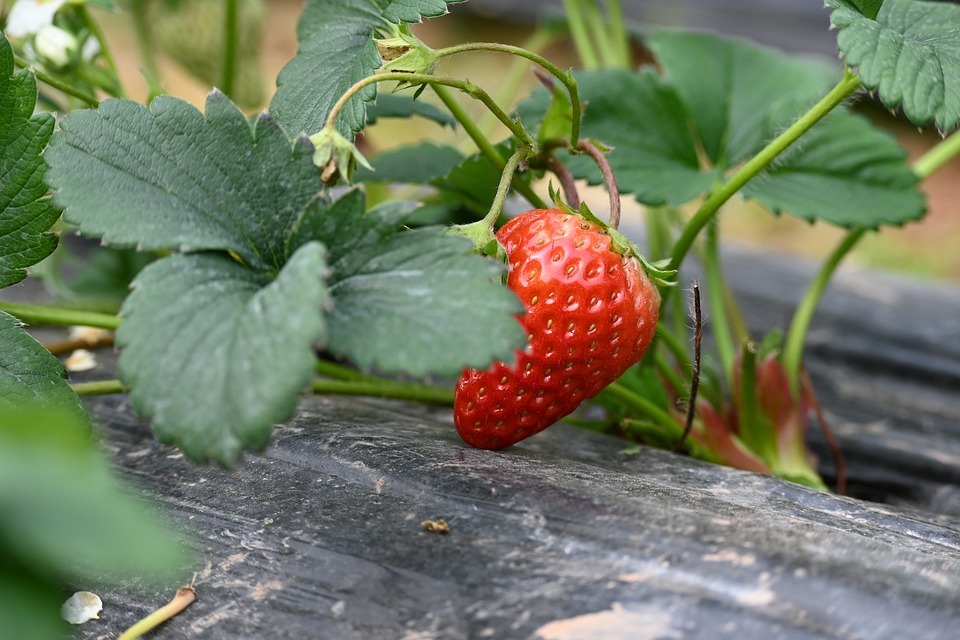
x=272 y=254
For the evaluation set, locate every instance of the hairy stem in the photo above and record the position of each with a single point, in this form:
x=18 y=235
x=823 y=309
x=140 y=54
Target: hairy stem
x=565 y=78
x=59 y=85
x=503 y=188
x=229 y=46
x=695 y=377
x=484 y=145
x=613 y=191
x=35 y=314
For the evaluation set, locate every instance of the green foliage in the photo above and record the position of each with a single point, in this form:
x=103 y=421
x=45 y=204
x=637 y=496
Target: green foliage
x=181 y=180
x=739 y=96
x=64 y=517
x=336 y=50
x=395 y=105
x=869 y=8
x=909 y=55
x=415 y=163
x=25 y=212
x=216 y=353
x=29 y=374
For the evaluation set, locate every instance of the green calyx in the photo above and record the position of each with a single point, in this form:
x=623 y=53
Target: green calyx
x=407 y=53
x=336 y=156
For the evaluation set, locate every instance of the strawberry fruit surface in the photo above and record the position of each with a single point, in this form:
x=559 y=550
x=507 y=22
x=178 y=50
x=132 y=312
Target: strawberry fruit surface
x=590 y=315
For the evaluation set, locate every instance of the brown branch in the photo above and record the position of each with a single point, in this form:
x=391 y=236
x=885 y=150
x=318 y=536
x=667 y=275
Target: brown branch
x=695 y=381
x=608 y=178
x=567 y=182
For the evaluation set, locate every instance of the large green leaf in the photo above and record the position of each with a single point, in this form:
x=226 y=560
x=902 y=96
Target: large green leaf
x=654 y=152
x=869 y=8
x=909 y=55
x=416 y=163
x=396 y=105
x=25 y=213
x=336 y=51
x=216 y=353
x=29 y=374
x=64 y=517
x=415 y=302
x=739 y=94
x=169 y=178
x=846 y=172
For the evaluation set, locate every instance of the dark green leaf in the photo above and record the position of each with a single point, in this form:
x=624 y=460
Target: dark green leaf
x=336 y=51
x=179 y=180
x=216 y=353
x=25 y=212
x=416 y=301
x=739 y=94
x=846 y=172
x=909 y=55
x=869 y=8
x=416 y=163
x=396 y=105
x=62 y=513
x=655 y=153
x=473 y=182
x=28 y=604
x=29 y=374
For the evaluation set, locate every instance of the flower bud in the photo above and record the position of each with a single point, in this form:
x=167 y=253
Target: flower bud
x=55 y=46
x=336 y=156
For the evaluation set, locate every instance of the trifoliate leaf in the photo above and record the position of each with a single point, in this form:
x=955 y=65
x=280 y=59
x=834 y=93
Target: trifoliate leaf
x=909 y=55
x=655 y=153
x=416 y=163
x=738 y=94
x=25 y=212
x=336 y=51
x=216 y=353
x=401 y=105
x=63 y=515
x=29 y=374
x=415 y=302
x=181 y=180
x=846 y=172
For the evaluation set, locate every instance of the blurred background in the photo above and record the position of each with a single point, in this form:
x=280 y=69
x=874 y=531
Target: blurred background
x=930 y=248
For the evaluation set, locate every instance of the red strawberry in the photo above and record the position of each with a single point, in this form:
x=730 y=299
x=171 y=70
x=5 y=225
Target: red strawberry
x=590 y=315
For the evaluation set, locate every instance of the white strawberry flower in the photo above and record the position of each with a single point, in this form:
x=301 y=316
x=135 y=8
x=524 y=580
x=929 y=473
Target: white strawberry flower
x=55 y=46
x=28 y=17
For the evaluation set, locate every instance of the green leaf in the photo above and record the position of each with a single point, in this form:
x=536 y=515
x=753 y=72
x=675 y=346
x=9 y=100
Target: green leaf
x=29 y=374
x=395 y=105
x=64 y=517
x=416 y=302
x=179 y=180
x=473 y=182
x=909 y=55
x=216 y=353
x=336 y=51
x=869 y=8
x=846 y=172
x=738 y=94
x=416 y=163
x=25 y=212
x=655 y=153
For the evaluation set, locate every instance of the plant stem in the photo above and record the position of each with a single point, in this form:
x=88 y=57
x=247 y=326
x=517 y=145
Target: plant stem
x=803 y=316
x=465 y=86
x=717 y=299
x=613 y=191
x=336 y=371
x=381 y=388
x=97 y=33
x=621 y=38
x=565 y=78
x=643 y=406
x=98 y=388
x=484 y=145
x=599 y=30
x=938 y=156
x=59 y=85
x=145 y=43
x=757 y=163
x=229 y=46
x=184 y=598
x=581 y=39
x=503 y=188
x=675 y=346
x=567 y=183
x=34 y=314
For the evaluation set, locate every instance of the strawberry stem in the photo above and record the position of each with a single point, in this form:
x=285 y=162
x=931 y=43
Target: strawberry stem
x=695 y=379
x=723 y=337
x=229 y=47
x=581 y=39
x=567 y=182
x=34 y=314
x=98 y=388
x=59 y=85
x=608 y=178
x=184 y=598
